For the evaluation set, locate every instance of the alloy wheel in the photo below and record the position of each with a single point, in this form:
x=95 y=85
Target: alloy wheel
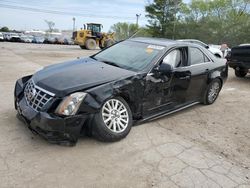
x=213 y=91
x=115 y=115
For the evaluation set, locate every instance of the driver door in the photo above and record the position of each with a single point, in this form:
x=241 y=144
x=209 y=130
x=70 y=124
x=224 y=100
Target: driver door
x=164 y=92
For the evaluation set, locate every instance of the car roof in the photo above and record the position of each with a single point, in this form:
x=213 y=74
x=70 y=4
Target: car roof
x=154 y=41
x=163 y=42
x=247 y=44
x=191 y=41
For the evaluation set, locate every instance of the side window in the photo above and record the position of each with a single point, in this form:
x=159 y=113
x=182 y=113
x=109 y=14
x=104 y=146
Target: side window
x=197 y=56
x=173 y=58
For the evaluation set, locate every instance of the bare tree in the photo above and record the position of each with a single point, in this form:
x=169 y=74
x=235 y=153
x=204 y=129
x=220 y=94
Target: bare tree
x=51 y=25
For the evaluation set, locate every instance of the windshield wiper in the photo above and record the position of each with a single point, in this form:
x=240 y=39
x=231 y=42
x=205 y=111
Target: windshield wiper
x=111 y=63
x=93 y=57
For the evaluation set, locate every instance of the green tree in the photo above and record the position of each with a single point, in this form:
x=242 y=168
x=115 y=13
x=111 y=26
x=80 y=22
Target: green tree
x=123 y=30
x=4 y=29
x=217 y=21
x=162 y=17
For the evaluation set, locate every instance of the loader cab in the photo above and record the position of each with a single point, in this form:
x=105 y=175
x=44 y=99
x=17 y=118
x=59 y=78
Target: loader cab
x=94 y=27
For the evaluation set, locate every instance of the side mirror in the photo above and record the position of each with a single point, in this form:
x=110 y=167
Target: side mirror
x=165 y=68
x=207 y=47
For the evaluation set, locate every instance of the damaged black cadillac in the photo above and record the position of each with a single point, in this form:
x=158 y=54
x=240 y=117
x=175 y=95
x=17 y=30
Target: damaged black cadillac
x=105 y=94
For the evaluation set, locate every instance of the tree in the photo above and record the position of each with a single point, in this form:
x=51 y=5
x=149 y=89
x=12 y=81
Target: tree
x=162 y=15
x=217 y=21
x=211 y=21
x=4 y=29
x=123 y=30
x=51 y=25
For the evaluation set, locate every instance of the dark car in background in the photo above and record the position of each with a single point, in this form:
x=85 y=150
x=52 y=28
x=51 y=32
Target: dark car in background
x=105 y=94
x=239 y=59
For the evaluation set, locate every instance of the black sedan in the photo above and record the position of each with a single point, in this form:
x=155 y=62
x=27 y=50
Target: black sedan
x=105 y=94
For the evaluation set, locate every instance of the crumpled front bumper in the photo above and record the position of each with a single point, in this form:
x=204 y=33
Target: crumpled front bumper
x=59 y=130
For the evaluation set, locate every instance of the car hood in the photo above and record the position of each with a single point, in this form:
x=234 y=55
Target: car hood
x=65 y=78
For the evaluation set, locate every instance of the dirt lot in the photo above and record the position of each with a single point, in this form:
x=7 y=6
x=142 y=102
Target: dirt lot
x=203 y=146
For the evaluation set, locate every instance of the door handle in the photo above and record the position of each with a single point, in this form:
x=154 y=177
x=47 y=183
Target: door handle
x=185 y=78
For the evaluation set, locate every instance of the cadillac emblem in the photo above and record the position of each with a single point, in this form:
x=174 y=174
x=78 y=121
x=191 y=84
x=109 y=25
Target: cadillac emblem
x=31 y=94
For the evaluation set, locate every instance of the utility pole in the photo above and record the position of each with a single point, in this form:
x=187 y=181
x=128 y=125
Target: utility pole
x=175 y=19
x=137 y=19
x=74 y=23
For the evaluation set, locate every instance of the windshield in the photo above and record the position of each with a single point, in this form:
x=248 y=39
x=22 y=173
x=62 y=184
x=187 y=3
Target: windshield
x=130 y=55
x=95 y=28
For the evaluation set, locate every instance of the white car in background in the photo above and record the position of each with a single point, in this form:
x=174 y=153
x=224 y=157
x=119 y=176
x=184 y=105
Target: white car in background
x=26 y=38
x=1 y=37
x=220 y=47
x=217 y=52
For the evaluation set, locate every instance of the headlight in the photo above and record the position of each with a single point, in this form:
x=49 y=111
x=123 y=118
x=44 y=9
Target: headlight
x=70 y=104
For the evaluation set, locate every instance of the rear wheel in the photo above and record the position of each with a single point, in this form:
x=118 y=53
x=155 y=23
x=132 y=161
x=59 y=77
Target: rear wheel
x=114 y=120
x=90 y=44
x=212 y=92
x=240 y=72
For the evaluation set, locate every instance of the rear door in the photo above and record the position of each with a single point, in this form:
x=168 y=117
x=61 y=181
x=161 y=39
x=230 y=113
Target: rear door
x=199 y=67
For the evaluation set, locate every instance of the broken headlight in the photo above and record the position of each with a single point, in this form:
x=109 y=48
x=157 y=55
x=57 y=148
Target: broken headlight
x=70 y=104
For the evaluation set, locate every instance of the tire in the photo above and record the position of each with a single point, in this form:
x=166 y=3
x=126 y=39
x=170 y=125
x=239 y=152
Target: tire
x=212 y=92
x=240 y=73
x=116 y=127
x=90 y=44
x=108 y=43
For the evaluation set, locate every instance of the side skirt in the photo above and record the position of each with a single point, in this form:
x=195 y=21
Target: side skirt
x=165 y=113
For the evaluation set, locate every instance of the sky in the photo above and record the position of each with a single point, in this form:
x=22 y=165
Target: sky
x=106 y=12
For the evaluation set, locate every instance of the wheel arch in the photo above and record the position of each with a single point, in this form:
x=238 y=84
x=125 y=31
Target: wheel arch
x=130 y=103
x=215 y=75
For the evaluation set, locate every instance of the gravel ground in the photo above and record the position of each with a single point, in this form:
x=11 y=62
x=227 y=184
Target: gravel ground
x=203 y=146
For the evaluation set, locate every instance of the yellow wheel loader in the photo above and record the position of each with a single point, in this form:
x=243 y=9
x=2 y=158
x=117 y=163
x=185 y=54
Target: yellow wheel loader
x=91 y=37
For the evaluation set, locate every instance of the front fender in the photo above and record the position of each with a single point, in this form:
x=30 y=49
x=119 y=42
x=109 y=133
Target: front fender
x=131 y=89
x=19 y=86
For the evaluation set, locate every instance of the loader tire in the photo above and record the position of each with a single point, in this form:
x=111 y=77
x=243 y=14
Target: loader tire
x=90 y=44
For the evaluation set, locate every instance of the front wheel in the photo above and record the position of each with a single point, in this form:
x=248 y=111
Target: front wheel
x=90 y=44
x=114 y=120
x=212 y=92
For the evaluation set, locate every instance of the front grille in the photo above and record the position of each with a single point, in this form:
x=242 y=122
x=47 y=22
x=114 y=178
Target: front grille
x=36 y=97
